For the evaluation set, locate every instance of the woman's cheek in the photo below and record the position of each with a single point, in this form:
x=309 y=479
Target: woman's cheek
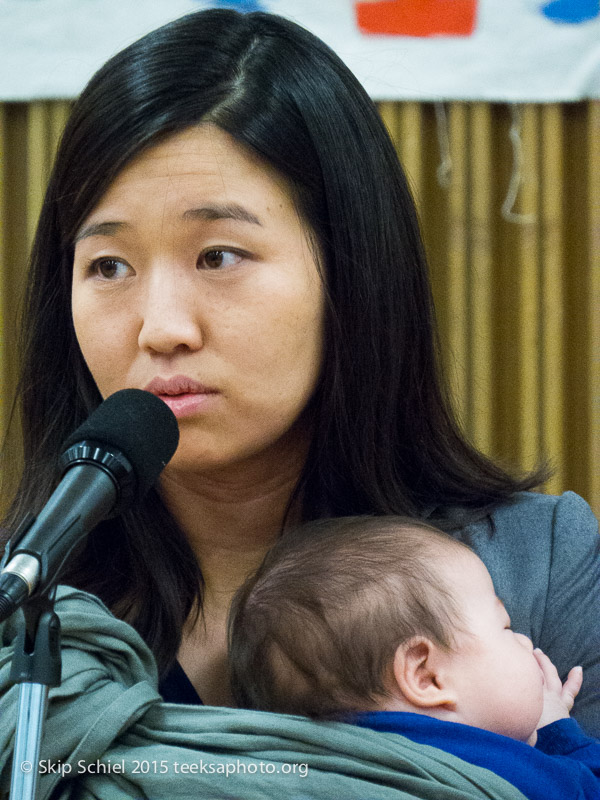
x=102 y=341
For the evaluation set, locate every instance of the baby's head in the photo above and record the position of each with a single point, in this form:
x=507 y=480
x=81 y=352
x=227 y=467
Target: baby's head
x=381 y=613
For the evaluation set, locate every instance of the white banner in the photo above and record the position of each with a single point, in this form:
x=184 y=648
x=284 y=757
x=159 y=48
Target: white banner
x=492 y=50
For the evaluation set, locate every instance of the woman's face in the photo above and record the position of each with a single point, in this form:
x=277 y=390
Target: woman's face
x=194 y=278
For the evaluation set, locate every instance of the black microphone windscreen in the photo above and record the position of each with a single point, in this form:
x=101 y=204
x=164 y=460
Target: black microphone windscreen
x=138 y=424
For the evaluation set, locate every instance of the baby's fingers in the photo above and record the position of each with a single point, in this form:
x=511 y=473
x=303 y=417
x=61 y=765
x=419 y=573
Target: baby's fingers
x=552 y=680
x=572 y=686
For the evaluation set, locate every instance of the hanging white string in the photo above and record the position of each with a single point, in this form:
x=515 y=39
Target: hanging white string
x=444 y=170
x=516 y=177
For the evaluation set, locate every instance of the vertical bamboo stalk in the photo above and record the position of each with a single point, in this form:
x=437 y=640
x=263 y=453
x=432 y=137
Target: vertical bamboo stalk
x=593 y=295
x=3 y=270
x=482 y=333
x=552 y=300
x=59 y=114
x=388 y=111
x=37 y=163
x=457 y=291
x=410 y=147
x=528 y=278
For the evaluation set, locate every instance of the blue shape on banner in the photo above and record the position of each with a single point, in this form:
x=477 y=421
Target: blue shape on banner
x=239 y=5
x=572 y=10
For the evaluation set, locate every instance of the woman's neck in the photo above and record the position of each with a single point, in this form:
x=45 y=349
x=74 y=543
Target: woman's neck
x=231 y=519
x=232 y=516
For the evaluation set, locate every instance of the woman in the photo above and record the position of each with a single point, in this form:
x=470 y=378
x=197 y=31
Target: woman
x=227 y=226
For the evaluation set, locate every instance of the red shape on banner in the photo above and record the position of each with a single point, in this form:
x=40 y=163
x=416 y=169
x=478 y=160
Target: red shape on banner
x=417 y=17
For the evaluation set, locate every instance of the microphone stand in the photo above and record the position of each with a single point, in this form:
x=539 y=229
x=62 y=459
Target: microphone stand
x=36 y=665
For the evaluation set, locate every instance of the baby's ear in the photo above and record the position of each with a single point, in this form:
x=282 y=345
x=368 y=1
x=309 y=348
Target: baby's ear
x=422 y=671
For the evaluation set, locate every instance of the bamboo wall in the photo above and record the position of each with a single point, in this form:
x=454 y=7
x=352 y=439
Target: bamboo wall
x=510 y=204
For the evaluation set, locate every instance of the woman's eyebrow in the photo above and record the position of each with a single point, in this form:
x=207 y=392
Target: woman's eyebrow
x=100 y=229
x=209 y=213
x=222 y=211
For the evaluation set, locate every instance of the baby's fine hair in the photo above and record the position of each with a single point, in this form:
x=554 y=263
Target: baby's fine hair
x=315 y=629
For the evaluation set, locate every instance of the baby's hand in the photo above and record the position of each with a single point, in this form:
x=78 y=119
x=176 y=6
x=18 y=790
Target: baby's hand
x=558 y=697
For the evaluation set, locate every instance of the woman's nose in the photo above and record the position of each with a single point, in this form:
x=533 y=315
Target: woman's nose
x=170 y=319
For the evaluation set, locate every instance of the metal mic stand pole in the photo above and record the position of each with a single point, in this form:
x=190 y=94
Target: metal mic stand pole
x=36 y=665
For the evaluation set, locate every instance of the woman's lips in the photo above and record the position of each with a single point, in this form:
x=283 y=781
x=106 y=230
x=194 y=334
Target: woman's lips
x=177 y=384
x=184 y=405
x=182 y=394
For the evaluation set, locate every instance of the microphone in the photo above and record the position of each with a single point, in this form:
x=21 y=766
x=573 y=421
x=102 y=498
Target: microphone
x=108 y=464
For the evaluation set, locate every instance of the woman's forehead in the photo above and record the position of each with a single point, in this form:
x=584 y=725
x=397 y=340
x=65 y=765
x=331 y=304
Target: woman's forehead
x=203 y=151
x=204 y=172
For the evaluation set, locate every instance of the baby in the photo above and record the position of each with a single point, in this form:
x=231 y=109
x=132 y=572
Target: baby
x=390 y=624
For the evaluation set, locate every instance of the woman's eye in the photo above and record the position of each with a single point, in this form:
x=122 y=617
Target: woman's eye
x=218 y=259
x=109 y=268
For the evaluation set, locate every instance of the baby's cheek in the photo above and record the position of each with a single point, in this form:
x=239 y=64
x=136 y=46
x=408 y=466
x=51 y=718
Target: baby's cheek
x=539 y=689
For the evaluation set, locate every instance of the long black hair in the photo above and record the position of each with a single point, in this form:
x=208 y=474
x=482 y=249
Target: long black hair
x=385 y=440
